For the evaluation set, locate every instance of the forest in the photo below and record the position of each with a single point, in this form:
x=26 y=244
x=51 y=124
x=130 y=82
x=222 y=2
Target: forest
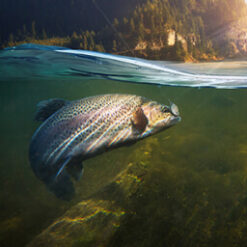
x=143 y=28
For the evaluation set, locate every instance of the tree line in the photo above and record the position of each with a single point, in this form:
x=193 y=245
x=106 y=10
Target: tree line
x=150 y=24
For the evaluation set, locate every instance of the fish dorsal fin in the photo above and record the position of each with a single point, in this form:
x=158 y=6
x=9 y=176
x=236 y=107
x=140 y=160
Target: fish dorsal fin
x=139 y=120
x=46 y=108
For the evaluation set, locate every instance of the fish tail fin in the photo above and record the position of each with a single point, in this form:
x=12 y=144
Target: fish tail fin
x=46 y=108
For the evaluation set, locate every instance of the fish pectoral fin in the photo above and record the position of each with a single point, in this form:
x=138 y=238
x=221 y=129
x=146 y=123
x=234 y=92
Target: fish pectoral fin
x=75 y=169
x=139 y=121
x=46 y=108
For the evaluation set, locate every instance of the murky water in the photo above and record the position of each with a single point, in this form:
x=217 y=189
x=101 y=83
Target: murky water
x=205 y=155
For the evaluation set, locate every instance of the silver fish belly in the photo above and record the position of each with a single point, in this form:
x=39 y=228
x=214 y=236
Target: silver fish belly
x=75 y=131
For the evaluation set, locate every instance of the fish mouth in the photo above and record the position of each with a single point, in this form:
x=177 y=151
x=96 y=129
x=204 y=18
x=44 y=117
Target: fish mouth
x=175 y=119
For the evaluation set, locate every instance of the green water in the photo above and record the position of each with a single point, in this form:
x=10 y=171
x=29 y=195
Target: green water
x=201 y=164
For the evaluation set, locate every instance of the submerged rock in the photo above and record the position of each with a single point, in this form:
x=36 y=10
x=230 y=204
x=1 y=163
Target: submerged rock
x=88 y=222
x=93 y=222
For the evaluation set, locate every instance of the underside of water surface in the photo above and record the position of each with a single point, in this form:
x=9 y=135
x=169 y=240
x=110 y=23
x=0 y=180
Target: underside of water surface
x=186 y=186
x=30 y=60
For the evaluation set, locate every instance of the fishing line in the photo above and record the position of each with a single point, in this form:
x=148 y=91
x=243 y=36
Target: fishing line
x=113 y=28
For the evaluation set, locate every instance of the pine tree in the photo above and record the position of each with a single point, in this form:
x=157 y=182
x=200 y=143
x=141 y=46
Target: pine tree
x=33 y=29
x=125 y=21
x=114 y=45
x=11 y=40
x=141 y=30
x=85 y=42
x=115 y=22
x=132 y=25
x=44 y=35
x=74 y=42
x=91 y=42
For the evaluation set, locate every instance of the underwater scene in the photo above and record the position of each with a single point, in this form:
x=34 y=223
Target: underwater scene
x=123 y=128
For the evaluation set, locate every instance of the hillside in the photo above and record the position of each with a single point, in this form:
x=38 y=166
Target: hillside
x=156 y=29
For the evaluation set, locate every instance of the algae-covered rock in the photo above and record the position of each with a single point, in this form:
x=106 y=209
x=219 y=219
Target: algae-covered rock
x=93 y=222
x=85 y=224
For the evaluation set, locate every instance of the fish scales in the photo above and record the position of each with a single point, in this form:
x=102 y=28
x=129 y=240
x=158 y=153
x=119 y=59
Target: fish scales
x=84 y=128
x=100 y=109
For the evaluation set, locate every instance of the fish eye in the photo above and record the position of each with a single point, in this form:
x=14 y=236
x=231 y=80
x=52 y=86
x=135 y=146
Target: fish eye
x=165 y=109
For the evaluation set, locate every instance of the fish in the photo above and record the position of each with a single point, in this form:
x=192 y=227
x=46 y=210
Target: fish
x=74 y=131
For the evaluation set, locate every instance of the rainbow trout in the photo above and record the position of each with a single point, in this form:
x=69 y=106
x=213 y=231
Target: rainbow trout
x=72 y=132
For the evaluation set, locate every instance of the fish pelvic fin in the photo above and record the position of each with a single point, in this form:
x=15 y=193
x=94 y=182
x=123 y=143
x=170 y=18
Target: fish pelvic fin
x=46 y=108
x=61 y=185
